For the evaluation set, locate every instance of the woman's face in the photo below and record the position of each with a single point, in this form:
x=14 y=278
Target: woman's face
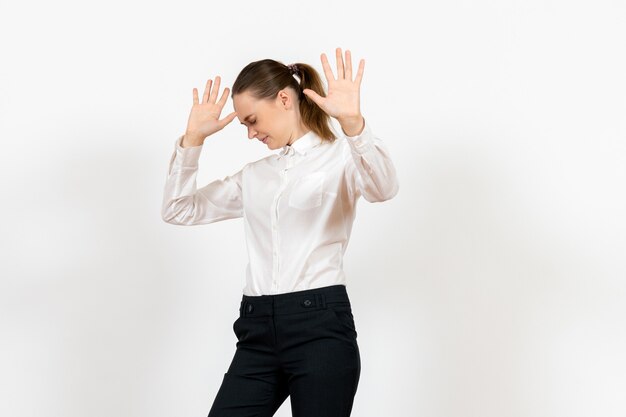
x=276 y=121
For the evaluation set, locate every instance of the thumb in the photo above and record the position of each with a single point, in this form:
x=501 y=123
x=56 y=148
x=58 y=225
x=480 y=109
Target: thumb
x=226 y=120
x=317 y=99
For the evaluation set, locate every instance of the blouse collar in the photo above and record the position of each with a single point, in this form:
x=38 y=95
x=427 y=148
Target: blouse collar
x=302 y=145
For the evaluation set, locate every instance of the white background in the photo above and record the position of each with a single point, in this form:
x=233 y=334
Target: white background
x=493 y=284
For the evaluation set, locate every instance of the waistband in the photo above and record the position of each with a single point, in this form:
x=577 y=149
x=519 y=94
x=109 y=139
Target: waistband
x=292 y=302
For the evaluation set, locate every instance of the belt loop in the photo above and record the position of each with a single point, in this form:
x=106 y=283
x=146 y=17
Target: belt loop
x=242 y=309
x=321 y=300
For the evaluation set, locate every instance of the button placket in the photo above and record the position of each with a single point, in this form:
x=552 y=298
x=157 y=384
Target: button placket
x=284 y=180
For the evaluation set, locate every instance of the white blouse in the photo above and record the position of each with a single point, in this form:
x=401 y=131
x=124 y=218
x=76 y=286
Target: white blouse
x=298 y=205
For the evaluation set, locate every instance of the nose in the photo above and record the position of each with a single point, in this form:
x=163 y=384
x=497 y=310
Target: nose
x=251 y=133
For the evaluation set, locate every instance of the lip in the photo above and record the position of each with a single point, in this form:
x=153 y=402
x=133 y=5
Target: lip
x=264 y=140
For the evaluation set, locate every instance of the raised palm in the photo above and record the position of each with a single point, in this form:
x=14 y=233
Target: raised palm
x=204 y=118
x=343 y=99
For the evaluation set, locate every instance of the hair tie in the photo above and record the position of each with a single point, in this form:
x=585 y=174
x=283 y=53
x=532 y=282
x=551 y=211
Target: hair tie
x=293 y=68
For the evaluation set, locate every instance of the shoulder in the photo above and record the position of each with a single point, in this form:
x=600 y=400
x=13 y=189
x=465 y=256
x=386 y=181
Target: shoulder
x=262 y=162
x=340 y=146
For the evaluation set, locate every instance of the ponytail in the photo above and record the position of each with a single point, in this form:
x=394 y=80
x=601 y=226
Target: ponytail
x=312 y=115
x=265 y=78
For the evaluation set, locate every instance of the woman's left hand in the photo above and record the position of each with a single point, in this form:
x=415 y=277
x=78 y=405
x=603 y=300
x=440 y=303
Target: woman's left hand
x=343 y=99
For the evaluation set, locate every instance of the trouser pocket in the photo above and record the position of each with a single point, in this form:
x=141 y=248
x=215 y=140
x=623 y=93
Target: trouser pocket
x=342 y=314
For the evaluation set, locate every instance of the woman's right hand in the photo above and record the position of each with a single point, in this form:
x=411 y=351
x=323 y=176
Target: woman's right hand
x=204 y=117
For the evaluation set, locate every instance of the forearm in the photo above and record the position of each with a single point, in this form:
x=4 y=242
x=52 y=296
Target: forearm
x=372 y=171
x=184 y=204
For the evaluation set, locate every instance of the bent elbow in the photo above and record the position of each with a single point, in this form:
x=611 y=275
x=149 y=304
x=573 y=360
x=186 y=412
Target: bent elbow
x=168 y=216
x=382 y=194
x=392 y=192
x=176 y=211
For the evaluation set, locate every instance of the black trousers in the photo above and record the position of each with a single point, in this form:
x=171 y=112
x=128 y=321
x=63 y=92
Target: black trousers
x=300 y=345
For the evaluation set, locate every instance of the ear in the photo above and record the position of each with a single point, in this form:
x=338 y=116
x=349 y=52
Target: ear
x=285 y=99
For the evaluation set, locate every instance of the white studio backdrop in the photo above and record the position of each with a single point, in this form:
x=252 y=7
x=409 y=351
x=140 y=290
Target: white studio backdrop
x=492 y=285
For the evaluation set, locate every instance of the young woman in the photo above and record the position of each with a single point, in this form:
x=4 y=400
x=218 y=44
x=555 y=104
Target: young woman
x=296 y=333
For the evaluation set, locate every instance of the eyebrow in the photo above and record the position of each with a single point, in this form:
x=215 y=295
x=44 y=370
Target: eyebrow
x=246 y=118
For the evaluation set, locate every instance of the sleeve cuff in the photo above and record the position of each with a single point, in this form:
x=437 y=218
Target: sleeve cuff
x=186 y=157
x=362 y=142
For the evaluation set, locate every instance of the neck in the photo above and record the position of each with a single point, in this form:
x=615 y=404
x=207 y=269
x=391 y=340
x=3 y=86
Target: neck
x=302 y=130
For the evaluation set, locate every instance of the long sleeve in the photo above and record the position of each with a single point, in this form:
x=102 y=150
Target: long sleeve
x=183 y=204
x=370 y=170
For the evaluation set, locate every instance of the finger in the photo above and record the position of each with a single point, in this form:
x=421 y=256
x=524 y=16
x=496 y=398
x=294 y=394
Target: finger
x=348 y=65
x=359 y=74
x=224 y=97
x=327 y=71
x=207 y=88
x=226 y=120
x=195 y=96
x=316 y=98
x=215 y=89
x=339 y=63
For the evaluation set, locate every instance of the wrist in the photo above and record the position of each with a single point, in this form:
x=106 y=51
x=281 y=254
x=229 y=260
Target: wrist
x=190 y=140
x=353 y=126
